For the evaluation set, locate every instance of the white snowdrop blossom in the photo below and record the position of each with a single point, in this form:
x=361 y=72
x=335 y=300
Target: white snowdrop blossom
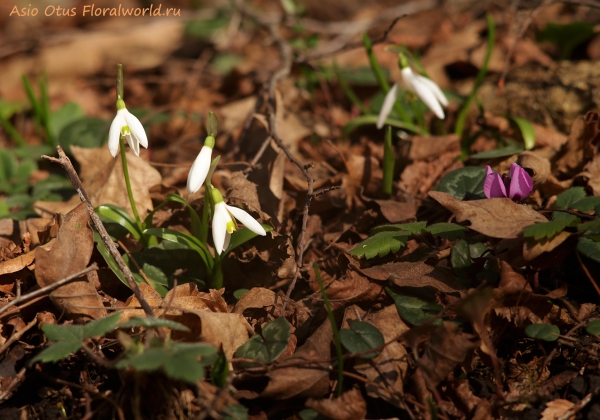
x=424 y=88
x=201 y=166
x=127 y=125
x=223 y=224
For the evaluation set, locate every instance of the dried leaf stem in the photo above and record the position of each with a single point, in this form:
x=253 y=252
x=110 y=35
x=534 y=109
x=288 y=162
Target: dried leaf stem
x=65 y=162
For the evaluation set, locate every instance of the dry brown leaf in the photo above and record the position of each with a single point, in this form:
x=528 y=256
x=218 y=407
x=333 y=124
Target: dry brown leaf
x=495 y=217
x=580 y=144
x=20 y=262
x=352 y=288
x=257 y=297
x=478 y=408
x=539 y=166
x=448 y=347
x=556 y=409
x=303 y=379
x=350 y=406
x=243 y=192
x=71 y=253
x=219 y=329
x=414 y=274
x=103 y=179
x=533 y=249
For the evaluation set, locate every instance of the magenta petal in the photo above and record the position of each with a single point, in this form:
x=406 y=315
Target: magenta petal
x=521 y=183
x=493 y=186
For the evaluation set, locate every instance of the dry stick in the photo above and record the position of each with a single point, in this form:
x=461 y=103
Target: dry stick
x=13 y=385
x=18 y=335
x=587 y=273
x=285 y=52
x=46 y=289
x=64 y=161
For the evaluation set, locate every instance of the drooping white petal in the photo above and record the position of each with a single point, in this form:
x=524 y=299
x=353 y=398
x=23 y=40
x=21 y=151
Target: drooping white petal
x=407 y=78
x=115 y=133
x=428 y=97
x=247 y=220
x=133 y=143
x=227 y=240
x=136 y=127
x=199 y=169
x=435 y=89
x=388 y=104
x=219 y=226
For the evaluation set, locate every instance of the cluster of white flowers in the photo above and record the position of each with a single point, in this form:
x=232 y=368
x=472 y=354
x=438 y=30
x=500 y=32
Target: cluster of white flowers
x=223 y=225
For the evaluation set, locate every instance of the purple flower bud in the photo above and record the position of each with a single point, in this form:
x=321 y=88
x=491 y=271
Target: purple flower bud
x=517 y=187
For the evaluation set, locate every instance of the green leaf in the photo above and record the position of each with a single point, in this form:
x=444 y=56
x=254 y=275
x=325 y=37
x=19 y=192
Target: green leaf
x=310 y=414
x=381 y=244
x=464 y=181
x=414 y=310
x=184 y=369
x=593 y=327
x=151 y=359
x=85 y=132
x=110 y=261
x=589 y=248
x=546 y=332
x=63 y=332
x=549 y=229
x=119 y=216
x=567 y=36
x=267 y=347
x=460 y=258
x=241 y=236
x=348 y=90
x=372 y=120
x=136 y=321
x=527 y=131
x=408 y=228
x=234 y=412
x=65 y=115
x=239 y=293
x=57 y=351
x=511 y=149
x=101 y=326
x=361 y=337
x=446 y=230
x=185 y=239
x=220 y=371
x=568 y=198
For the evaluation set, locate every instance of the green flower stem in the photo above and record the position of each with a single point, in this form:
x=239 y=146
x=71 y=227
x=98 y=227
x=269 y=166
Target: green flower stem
x=388 y=162
x=380 y=77
x=336 y=335
x=128 y=184
x=217 y=276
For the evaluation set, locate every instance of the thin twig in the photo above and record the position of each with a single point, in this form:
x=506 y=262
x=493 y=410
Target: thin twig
x=587 y=273
x=65 y=162
x=41 y=292
x=13 y=385
x=17 y=335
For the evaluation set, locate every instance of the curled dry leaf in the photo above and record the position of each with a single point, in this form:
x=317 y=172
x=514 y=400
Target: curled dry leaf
x=103 y=179
x=302 y=378
x=537 y=166
x=495 y=217
x=414 y=274
x=478 y=408
x=243 y=192
x=448 y=347
x=555 y=409
x=70 y=254
x=351 y=288
x=350 y=406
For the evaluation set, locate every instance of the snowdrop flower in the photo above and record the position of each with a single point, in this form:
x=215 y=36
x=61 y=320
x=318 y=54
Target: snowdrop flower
x=425 y=89
x=127 y=125
x=516 y=187
x=201 y=166
x=223 y=224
